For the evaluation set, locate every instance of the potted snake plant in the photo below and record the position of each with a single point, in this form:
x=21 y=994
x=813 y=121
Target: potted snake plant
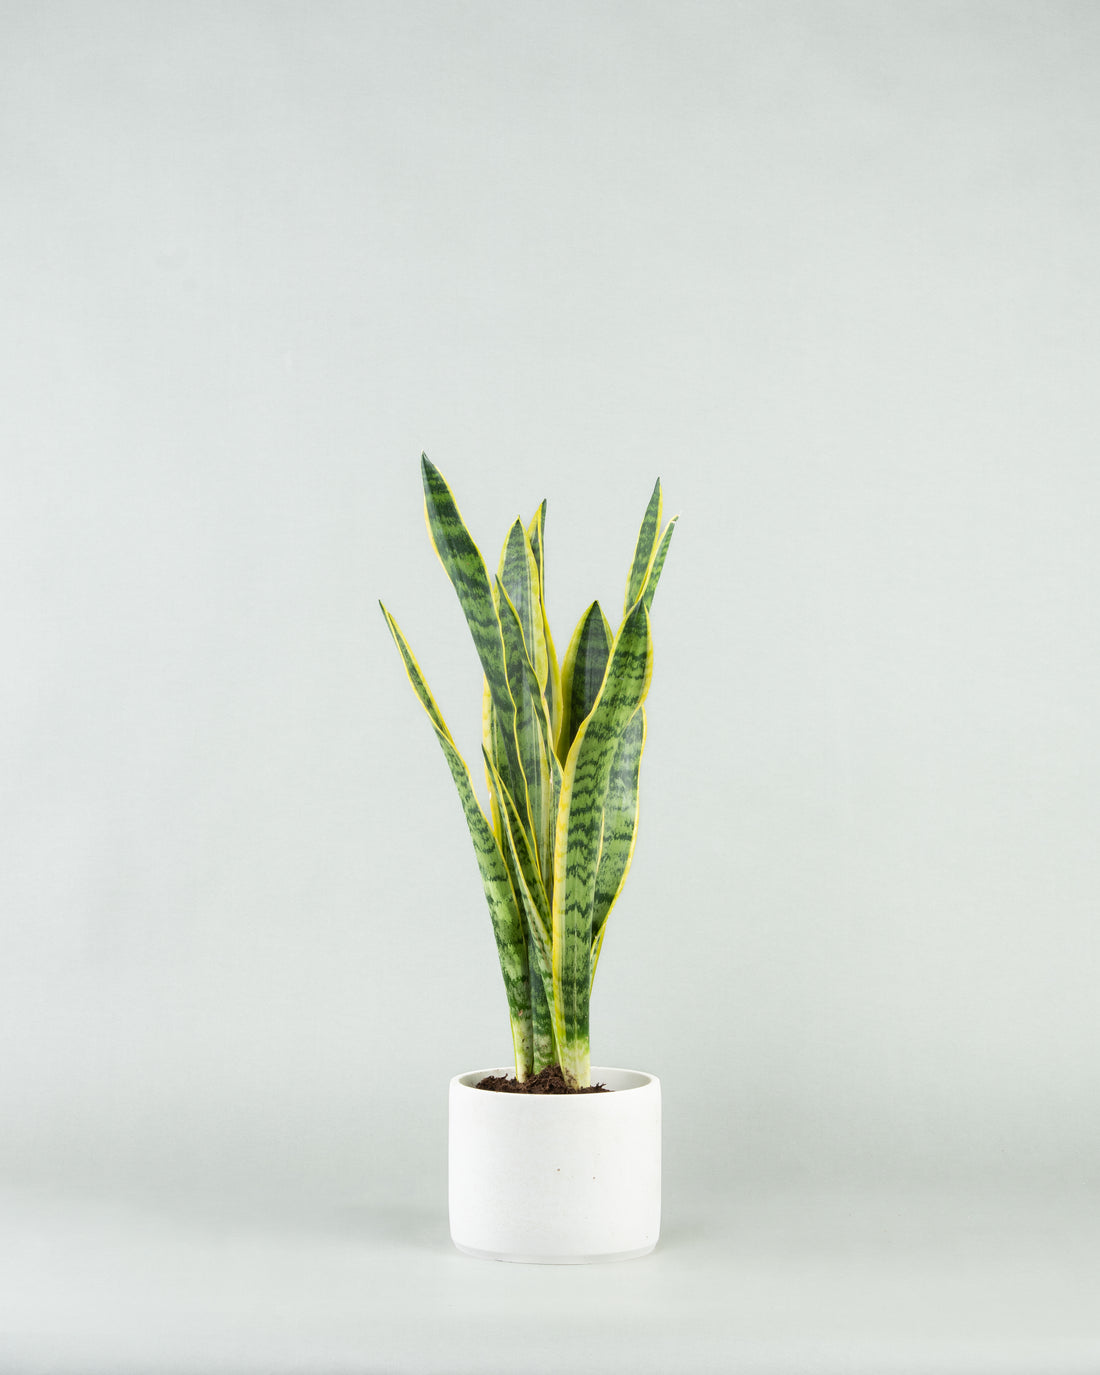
x=552 y=1166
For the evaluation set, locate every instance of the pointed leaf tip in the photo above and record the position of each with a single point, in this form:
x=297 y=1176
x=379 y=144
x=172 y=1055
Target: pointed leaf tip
x=645 y=548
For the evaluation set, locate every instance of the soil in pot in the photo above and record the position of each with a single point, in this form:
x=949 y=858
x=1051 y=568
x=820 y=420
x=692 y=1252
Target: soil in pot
x=548 y=1080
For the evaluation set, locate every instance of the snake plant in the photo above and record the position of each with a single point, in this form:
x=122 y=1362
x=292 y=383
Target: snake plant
x=562 y=746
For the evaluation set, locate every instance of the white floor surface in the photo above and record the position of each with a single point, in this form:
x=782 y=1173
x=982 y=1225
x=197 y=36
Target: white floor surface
x=782 y=1282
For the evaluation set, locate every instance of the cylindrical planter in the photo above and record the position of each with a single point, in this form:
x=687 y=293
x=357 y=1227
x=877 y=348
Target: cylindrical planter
x=556 y=1179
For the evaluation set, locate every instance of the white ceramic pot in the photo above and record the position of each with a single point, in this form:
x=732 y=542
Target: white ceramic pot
x=556 y=1179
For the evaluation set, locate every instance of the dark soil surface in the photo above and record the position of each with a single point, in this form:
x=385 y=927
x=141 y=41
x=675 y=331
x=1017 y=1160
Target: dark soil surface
x=548 y=1080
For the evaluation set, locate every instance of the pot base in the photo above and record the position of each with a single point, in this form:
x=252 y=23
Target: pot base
x=553 y=1260
x=556 y=1179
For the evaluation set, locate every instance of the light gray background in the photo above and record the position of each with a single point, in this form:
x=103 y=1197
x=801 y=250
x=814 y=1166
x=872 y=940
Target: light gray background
x=831 y=271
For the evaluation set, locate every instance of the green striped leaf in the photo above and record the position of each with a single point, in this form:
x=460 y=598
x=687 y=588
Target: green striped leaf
x=464 y=565
x=644 y=549
x=552 y=693
x=536 y=537
x=535 y=908
x=585 y=783
x=519 y=576
x=503 y=907
x=658 y=564
x=620 y=827
x=539 y=985
x=492 y=744
x=536 y=534
x=532 y=894
x=544 y=1044
x=582 y=673
x=530 y=729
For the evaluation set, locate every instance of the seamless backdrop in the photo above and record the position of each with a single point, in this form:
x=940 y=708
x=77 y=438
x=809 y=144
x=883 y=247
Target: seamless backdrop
x=831 y=272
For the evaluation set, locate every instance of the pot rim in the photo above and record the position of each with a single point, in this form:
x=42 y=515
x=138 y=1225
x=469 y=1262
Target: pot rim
x=642 y=1080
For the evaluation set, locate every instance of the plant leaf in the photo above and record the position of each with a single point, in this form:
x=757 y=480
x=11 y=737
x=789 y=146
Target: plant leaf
x=582 y=673
x=491 y=742
x=530 y=890
x=541 y=769
x=519 y=575
x=463 y=564
x=657 y=567
x=620 y=827
x=503 y=907
x=585 y=782
x=530 y=730
x=644 y=549
x=535 y=908
x=552 y=694
x=536 y=534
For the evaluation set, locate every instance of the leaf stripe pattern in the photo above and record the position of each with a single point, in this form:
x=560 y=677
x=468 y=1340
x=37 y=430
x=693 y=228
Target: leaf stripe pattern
x=538 y=976
x=520 y=578
x=658 y=564
x=536 y=912
x=620 y=827
x=463 y=564
x=530 y=728
x=585 y=783
x=503 y=909
x=530 y=889
x=583 y=672
x=489 y=741
x=643 y=550
x=536 y=535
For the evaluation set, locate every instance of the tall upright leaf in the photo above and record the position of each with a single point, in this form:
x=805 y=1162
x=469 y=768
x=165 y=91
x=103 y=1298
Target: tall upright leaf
x=585 y=783
x=530 y=714
x=535 y=908
x=644 y=548
x=582 y=673
x=539 y=981
x=620 y=831
x=517 y=843
x=620 y=827
x=536 y=537
x=536 y=534
x=504 y=911
x=552 y=691
x=657 y=566
x=464 y=565
x=544 y=1043
x=519 y=576
x=494 y=746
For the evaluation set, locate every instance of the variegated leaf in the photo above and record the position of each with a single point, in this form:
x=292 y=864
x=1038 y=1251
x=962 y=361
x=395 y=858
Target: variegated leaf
x=536 y=534
x=644 y=549
x=465 y=567
x=503 y=909
x=585 y=783
x=530 y=717
x=620 y=827
x=535 y=909
x=519 y=575
x=582 y=673
x=657 y=567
